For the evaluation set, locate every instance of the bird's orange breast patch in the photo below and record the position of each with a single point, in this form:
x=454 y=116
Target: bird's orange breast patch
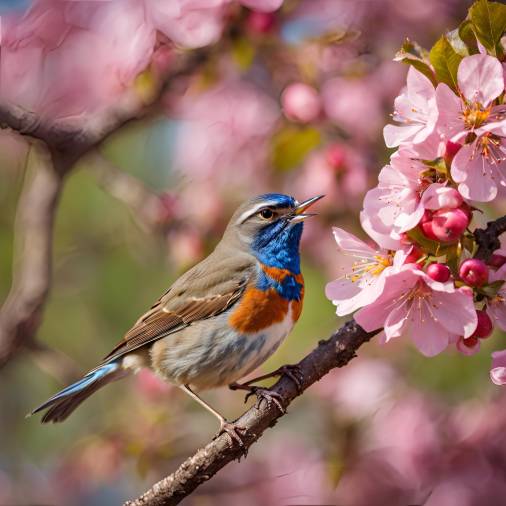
x=258 y=309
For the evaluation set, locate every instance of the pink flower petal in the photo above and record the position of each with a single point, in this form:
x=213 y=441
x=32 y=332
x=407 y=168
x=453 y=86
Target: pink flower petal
x=455 y=312
x=374 y=316
x=480 y=78
x=395 y=135
x=427 y=334
x=467 y=350
x=348 y=242
x=419 y=88
x=474 y=174
x=450 y=110
x=395 y=323
x=498 y=370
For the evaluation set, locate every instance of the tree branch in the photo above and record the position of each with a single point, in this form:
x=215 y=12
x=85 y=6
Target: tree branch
x=488 y=238
x=21 y=313
x=337 y=351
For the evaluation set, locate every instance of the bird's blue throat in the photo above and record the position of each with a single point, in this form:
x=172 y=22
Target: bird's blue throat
x=277 y=245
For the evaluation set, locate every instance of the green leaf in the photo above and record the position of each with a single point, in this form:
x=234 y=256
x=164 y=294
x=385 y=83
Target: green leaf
x=438 y=164
x=489 y=24
x=292 y=144
x=457 y=43
x=445 y=61
x=468 y=243
x=466 y=34
x=432 y=247
x=491 y=289
x=413 y=54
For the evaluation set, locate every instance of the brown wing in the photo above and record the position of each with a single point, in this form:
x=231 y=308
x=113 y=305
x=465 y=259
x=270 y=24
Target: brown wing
x=208 y=289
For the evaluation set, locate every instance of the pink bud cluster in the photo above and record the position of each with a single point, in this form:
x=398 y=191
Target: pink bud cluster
x=421 y=280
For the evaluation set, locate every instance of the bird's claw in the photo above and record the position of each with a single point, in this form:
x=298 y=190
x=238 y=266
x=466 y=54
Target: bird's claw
x=293 y=372
x=269 y=396
x=233 y=432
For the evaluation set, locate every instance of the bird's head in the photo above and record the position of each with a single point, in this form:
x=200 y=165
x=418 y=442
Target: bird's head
x=270 y=226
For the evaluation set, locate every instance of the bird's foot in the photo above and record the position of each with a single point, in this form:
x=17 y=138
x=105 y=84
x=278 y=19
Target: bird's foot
x=262 y=394
x=269 y=396
x=233 y=431
x=291 y=371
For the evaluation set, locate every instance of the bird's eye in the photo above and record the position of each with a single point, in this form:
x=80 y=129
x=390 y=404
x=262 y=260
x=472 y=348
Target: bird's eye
x=266 y=214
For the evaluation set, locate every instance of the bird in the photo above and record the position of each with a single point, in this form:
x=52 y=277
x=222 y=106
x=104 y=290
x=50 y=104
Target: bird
x=221 y=319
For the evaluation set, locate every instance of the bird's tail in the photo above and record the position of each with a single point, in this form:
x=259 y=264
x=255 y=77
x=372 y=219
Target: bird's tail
x=62 y=404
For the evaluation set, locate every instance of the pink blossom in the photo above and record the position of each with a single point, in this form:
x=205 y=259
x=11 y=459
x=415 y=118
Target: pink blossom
x=344 y=103
x=415 y=111
x=498 y=370
x=363 y=282
x=301 y=102
x=224 y=129
x=191 y=23
x=414 y=305
x=496 y=306
x=340 y=173
x=477 y=166
x=480 y=167
x=262 y=5
x=399 y=201
x=360 y=389
x=64 y=59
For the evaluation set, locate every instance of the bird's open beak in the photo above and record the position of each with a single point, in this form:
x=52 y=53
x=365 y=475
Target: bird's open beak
x=300 y=214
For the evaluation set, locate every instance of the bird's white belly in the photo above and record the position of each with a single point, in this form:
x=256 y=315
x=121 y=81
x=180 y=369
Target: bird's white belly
x=210 y=353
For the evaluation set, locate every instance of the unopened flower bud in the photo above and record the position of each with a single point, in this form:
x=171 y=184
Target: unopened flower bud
x=468 y=346
x=335 y=156
x=260 y=22
x=439 y=272
x=497 y=260
x=474 y=272
x=485 y=325
x=449 y=224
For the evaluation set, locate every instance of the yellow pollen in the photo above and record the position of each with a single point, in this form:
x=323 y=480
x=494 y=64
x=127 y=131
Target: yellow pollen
x=474 y=115
x=374 y=268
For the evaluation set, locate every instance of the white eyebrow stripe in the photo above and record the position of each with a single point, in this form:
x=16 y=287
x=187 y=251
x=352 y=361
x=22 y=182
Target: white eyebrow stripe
x=251 y=211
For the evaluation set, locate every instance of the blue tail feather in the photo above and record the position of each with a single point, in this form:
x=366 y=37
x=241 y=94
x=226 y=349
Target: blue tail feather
x=64 y=402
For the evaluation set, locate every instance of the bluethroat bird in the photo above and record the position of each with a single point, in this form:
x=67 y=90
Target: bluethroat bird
x=221 y=319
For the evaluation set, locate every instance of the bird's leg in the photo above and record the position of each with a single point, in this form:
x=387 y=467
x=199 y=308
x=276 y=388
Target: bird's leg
x=291 y=371
x=225 y=426
x=263 y=394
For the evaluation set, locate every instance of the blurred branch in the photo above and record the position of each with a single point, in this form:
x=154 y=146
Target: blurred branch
x=334 y=352
x=488 y=238
x=143 y=202
x=68 y=139
x=21 y=313
x=54 y=362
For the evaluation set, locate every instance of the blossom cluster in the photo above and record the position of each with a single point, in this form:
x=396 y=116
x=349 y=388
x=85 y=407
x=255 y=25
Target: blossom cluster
x=65 y=59
x=421 y=279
